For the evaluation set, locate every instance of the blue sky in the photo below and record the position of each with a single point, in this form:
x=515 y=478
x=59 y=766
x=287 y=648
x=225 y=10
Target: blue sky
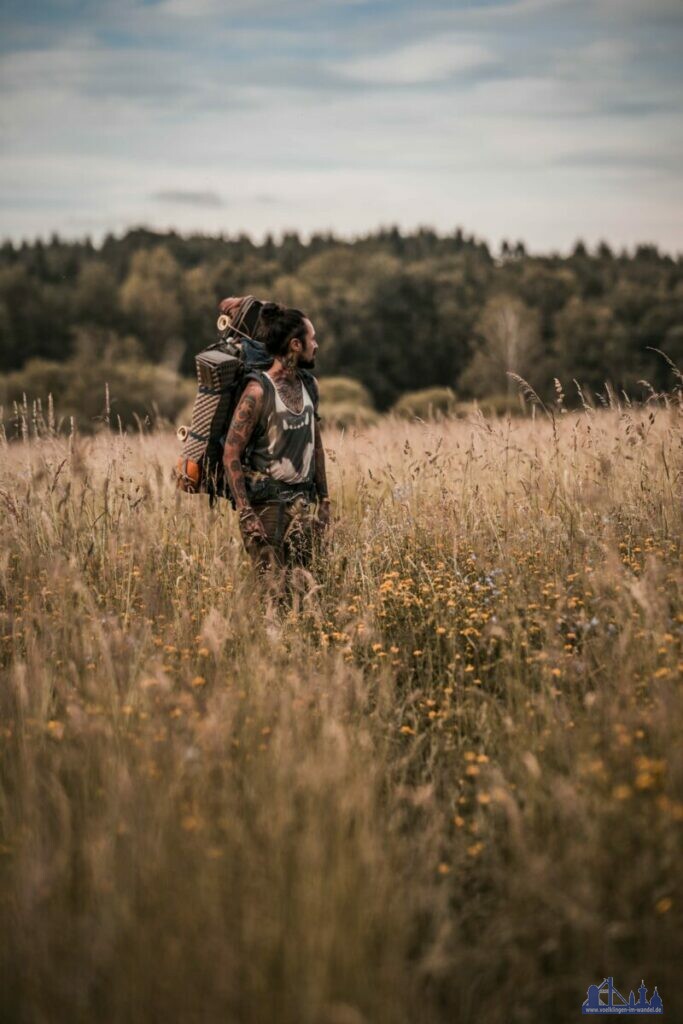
x=545 y=120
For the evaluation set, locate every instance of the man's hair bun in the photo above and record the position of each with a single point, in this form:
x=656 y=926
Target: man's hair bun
x=271 y=311
x=278 y=325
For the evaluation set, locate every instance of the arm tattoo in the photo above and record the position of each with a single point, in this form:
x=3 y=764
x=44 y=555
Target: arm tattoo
x=320 y=472
x=242 y=426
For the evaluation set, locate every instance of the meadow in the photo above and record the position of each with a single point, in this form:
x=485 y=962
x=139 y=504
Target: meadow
x=444 y=785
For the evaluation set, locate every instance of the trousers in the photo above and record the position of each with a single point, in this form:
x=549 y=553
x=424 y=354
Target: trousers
x=290 y=527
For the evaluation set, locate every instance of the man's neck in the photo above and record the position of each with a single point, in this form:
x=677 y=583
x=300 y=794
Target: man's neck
x=284 y=371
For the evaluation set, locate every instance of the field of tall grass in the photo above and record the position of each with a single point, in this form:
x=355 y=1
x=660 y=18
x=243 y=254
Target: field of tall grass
x=444 y=785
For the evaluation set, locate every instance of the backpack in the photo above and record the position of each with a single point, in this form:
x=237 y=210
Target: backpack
x=223 y=370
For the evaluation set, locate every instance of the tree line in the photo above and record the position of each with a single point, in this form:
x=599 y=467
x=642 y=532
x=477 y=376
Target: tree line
x=397 y=311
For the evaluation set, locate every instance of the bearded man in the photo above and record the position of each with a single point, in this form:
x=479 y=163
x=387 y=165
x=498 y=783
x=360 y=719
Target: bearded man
x=274 y=458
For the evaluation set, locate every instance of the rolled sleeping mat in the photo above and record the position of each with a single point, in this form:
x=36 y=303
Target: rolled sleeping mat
x=241 y=321
x=217 y=373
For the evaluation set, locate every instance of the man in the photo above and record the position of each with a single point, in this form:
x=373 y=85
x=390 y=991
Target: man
x=274 y=457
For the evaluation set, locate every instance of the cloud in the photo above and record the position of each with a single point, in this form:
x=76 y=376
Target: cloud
x=187 y=198
x=531 y=118
x=220 y=9
x=625 y=159
x=646 y=8
x=431 y=60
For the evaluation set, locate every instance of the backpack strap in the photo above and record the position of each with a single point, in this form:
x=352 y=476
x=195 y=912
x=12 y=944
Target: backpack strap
x=253 y=373
x=311 y=385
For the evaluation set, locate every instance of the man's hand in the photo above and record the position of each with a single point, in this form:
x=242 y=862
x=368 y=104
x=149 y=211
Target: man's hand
x=324 y=513
x=251 y=526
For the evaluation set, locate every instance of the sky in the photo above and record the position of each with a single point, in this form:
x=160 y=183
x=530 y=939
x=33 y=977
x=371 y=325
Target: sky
x=540 y=120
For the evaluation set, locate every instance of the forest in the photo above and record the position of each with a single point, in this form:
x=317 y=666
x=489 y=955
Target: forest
x=397 y=312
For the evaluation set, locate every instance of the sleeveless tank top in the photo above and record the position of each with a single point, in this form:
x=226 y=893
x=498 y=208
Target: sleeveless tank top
x=284 y=441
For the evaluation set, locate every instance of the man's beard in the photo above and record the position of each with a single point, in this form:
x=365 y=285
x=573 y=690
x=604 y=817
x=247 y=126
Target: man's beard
x=306 y=364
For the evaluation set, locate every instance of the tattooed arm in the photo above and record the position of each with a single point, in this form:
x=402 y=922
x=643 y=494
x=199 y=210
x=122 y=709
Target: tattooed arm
x=242 y=425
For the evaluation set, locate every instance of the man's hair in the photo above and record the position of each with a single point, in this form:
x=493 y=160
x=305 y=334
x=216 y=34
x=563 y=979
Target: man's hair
x=277 y=326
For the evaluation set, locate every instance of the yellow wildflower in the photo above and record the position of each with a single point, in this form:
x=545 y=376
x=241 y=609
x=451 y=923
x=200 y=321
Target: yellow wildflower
x=622 y=792
x=55 y=729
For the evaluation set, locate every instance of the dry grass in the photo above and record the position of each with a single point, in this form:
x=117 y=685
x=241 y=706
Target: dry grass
x=446 y=786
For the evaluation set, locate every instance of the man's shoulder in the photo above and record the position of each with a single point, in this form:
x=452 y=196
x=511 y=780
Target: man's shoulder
x=253 y=393
x=308 y=380
x=254 y=383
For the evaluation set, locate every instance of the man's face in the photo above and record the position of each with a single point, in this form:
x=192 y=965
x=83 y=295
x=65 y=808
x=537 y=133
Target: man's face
x=309 y=347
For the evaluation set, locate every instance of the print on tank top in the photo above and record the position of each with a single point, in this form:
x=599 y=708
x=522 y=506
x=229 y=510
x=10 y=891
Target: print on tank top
x=284 y=448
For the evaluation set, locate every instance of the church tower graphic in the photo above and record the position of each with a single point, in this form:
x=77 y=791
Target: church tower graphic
x=606 y=998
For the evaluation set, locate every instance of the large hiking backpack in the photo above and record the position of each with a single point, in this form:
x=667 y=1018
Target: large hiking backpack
x=222 y=371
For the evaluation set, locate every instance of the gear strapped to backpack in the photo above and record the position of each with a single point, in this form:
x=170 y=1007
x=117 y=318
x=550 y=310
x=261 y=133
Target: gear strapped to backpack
x=222 y=372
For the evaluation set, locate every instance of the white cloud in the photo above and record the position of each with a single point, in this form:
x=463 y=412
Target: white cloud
x=431 y=60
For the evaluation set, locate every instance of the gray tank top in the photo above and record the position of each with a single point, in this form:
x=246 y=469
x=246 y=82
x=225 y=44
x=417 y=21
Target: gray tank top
x=284 y=441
